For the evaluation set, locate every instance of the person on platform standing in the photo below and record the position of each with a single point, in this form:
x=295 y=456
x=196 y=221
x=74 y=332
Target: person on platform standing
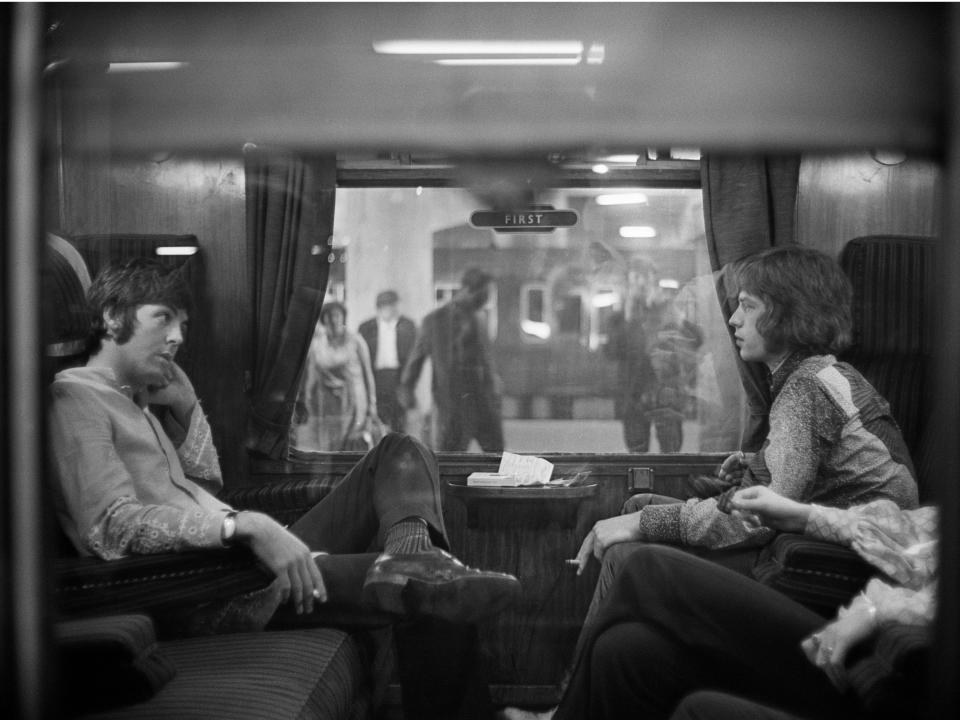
x=390 y=337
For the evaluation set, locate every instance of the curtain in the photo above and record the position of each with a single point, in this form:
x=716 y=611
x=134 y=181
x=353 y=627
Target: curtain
x=290 y=202
x=749 y=205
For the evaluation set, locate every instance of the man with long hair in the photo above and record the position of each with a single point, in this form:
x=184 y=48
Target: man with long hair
x=832 y=440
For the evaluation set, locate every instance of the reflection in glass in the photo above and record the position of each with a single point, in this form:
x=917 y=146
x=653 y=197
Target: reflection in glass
x=602 y=338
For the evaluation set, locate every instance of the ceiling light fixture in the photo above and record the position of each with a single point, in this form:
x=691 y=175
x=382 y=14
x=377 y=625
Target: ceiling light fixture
x=637 y=231
x=508 y=61
x=630 y=198
x=127 y=67
x=621 y=159
x=494 y=52
x=479 y=47
x=596 y=54
x=177 y=250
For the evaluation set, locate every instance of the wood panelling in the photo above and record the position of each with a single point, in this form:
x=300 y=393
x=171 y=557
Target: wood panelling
x=846 y=196
x=165 y=193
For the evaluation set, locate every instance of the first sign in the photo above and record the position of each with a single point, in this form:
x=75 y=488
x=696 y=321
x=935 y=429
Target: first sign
x=532 y=220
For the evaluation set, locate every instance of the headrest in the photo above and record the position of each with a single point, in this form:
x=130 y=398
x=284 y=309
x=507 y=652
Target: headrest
x=892 y=278
x=65 y=280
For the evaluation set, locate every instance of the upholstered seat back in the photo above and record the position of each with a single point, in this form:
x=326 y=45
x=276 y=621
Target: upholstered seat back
x=65 y=280
x=892 y=278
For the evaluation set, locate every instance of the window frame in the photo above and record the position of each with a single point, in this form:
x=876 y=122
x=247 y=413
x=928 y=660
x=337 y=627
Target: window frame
x=396 y=172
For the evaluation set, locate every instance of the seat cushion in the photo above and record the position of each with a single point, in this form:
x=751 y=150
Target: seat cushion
x=312 y=673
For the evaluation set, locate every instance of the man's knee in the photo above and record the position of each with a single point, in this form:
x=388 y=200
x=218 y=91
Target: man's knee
x=403 y=452
x=637 y=502
x=616 y=557
x=653 y=564
x=696 y=706
x=713 y=705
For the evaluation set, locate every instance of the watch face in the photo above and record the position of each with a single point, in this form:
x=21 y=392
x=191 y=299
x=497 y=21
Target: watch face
x=229 y=528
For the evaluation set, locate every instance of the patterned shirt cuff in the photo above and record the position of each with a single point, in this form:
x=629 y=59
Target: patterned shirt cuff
x=830 y=524
x=197 y=453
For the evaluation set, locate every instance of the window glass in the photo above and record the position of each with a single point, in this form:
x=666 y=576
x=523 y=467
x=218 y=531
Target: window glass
x=604 y=336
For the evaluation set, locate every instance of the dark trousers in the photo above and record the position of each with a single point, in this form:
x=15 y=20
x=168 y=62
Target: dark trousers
x=708 y=705
x=617 y=556
x=397 y=479
x=636 y=431
x=674 y=623
x=473 y=415
x=388 y=405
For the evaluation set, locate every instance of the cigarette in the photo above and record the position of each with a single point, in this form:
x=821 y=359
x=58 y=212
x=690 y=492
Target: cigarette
x=572 y=561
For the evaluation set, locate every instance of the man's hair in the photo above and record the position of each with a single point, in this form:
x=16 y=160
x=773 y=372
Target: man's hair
x=387 y=297
x=121 y=288
x=807 y=298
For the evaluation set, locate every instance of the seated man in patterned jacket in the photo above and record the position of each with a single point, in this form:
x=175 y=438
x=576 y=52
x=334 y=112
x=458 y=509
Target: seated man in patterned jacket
x=831 y=439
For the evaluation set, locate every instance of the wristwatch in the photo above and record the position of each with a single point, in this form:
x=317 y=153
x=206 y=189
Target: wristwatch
x=229 y=528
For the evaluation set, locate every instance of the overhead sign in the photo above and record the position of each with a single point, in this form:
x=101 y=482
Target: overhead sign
x=528 y=220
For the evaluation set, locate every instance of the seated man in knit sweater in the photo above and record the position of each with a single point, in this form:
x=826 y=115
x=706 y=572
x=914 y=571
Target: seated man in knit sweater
x=136 y=473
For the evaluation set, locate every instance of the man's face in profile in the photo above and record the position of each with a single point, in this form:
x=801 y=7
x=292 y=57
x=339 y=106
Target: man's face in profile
x=147 y=357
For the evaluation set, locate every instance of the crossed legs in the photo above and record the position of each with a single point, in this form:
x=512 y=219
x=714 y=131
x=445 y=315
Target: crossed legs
x=393 y=484
x=674 y=624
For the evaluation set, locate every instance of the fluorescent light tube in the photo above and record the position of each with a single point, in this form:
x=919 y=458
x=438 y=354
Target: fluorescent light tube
x=632 y=198
x=508 y=61
x=637 y=231
x=125 y=67
x=479 y=47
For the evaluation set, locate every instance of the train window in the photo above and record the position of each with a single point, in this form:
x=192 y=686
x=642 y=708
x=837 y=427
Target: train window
x=533 y=313
x=569 y=313
x=601 y=335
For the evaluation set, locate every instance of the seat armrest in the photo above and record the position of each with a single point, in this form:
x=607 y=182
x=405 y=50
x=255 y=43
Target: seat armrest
x=284 y=500
x=154 y=583
x=821 y=575
x=109 y=661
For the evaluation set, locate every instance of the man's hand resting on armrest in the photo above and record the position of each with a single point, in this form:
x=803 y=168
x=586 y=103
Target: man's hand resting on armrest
x=286 y=556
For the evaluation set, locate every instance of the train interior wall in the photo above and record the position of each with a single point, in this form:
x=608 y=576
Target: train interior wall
x=839 y=198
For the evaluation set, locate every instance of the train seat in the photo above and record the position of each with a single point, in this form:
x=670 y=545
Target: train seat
x=115 y=668
x=892 y=277
x=892 y=290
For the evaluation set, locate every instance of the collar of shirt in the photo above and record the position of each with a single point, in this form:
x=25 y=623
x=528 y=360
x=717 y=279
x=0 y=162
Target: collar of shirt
x=98 y=375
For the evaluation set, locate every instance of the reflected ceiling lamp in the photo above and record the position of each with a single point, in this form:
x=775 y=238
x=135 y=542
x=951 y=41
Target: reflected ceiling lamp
x=626 y=198
x=494 y=52
x=637 y=231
